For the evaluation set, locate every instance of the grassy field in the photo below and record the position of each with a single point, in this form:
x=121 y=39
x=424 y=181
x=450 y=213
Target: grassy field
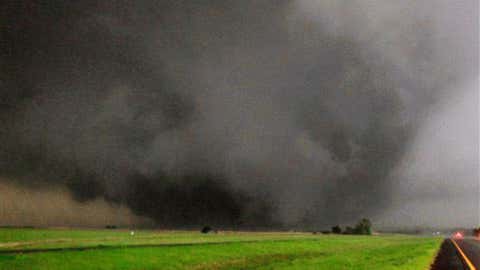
x=117 y=249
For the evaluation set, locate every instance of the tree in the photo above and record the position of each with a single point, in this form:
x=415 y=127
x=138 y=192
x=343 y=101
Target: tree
x=337 y=229
x=476 y=232
x=349 y=230
x=206 y=229
x=364 y=226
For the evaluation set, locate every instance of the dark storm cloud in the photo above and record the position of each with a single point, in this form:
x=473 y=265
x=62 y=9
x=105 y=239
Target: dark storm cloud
x=248 y=113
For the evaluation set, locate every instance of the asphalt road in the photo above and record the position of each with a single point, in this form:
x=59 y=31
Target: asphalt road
x=471 y=250
x=458 y=254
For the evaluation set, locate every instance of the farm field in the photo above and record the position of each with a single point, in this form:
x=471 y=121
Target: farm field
x=119 y=249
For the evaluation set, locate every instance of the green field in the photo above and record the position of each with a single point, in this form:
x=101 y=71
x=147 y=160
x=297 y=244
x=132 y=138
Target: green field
x=118 y=249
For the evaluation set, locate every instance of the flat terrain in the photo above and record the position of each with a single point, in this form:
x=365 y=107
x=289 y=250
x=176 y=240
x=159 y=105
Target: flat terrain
x=118 y=249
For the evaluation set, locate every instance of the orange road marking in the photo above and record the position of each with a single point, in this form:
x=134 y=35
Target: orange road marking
x=465 y=258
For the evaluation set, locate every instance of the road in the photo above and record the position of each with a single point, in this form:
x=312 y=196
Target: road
x=470 y=248
x=458 y=254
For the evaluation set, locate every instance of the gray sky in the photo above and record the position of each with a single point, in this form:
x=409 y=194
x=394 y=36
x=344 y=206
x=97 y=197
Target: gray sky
x=437 y=182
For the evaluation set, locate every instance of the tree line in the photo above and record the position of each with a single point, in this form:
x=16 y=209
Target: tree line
x=363 y=227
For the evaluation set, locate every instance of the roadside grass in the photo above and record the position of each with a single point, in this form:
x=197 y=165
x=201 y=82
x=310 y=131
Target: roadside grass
x=230 y=251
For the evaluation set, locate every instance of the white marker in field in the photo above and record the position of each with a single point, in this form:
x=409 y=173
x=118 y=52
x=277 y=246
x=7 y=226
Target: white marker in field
x=132 y=233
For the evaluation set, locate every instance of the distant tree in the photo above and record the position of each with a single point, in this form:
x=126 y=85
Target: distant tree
x=349 y=230
x=476 y=232
x=364 y=226
x=336 y=229
x=206 y=229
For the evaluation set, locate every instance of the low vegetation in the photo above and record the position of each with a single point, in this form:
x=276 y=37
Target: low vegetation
x=476 y=232
x=119 y=249
x=363 y=227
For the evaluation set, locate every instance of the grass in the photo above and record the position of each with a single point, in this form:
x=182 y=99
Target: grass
x=116 y=249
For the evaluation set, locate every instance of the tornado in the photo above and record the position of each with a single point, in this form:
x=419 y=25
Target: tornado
x=240 y=114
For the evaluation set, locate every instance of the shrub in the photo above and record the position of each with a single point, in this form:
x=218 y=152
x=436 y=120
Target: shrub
x=206 y=229
x=364 y=226
x=336 y=229
x=349 y=230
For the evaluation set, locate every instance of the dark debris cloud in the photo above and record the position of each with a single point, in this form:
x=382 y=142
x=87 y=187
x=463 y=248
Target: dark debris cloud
x=230 y=113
